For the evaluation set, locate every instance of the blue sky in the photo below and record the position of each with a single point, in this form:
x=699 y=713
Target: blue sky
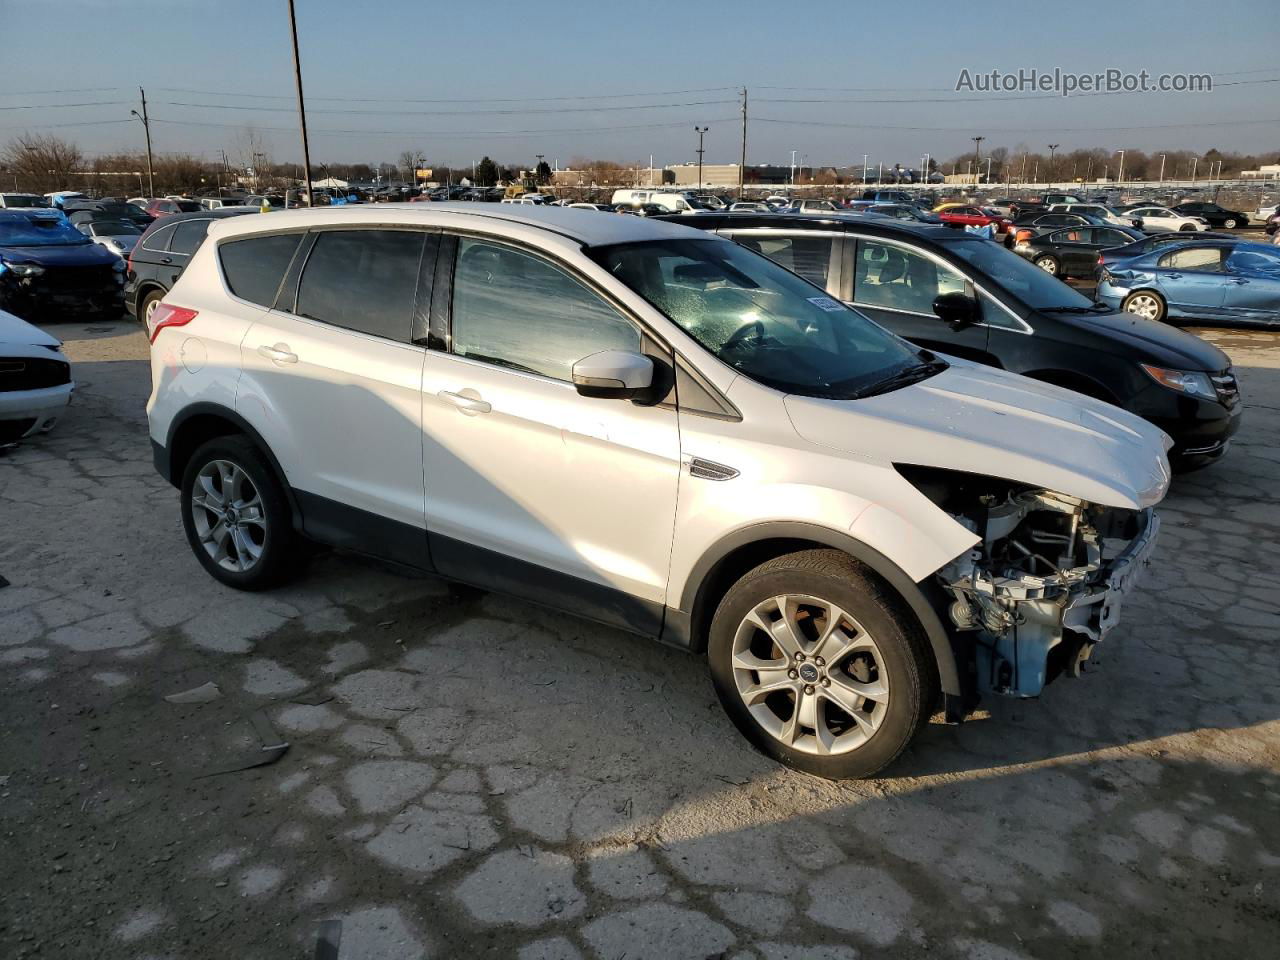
x=631 y=79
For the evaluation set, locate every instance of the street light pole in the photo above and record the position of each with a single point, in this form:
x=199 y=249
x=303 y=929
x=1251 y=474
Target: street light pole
x=977 y=156
x=864 y=169
x=701 y=132
x=146 y=125
x=1120 y=175
x=1052 y=148
x=1194 y=162
x=1162 y=169
x=302 y=110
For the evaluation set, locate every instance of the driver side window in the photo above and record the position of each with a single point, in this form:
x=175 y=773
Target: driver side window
x=897 y=278
x=515 y=310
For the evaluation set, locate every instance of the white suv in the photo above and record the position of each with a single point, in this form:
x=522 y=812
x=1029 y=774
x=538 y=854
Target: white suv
x=658 y=429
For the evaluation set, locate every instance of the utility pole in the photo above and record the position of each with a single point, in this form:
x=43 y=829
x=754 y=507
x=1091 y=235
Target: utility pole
x=302 y=110
x=864 y=169
x=742 y=167
x=1120 y=175
x=146 y=125
x=1194 y=162
x=977 y=156
x=1052 y=148
x=1162 y=156
x=701 y=132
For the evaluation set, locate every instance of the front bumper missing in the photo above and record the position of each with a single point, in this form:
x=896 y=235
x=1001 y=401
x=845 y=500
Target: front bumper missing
x=1036 y=628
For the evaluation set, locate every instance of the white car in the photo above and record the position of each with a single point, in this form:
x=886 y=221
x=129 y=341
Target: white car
x=658 y=429
x=118 y=236
x=1099 y=210
x=35 y=380
x=1164 y=220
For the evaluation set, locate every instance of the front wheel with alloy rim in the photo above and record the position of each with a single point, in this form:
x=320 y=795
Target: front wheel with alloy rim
x=1231 y=223
x=820 y=665
x=1047 y=264
x=1145 y=303
x=236 y=516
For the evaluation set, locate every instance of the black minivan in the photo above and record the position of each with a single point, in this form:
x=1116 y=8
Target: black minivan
x=162 y=253
x=969 y=297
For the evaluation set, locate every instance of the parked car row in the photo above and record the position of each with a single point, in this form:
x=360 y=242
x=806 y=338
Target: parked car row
x=852 y=526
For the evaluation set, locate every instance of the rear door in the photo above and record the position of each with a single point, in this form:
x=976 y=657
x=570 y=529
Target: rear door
x=1193 y=280
x=332 y=378
x=895 y=284
x=1077 y=250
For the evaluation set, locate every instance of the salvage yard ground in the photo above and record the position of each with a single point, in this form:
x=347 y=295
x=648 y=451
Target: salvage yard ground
x=469 y=776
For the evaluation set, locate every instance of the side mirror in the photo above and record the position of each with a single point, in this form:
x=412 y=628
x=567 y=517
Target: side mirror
x=957 y=309
x=613 y=375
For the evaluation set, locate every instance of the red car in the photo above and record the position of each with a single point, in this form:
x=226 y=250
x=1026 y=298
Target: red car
x=967 y=215
x=165 y=207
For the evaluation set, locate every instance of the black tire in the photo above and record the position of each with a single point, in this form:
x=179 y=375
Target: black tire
x=279 y=547
x=1162 y=309
x=1231 y=223
x=903 y=650
x=1049 y=264
x=150 y=298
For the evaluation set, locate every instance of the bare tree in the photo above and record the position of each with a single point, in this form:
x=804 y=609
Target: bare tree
x=41 y=163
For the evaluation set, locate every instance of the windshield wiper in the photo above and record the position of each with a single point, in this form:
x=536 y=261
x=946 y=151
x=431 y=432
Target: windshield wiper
x=1091 y=308
x=905 y=377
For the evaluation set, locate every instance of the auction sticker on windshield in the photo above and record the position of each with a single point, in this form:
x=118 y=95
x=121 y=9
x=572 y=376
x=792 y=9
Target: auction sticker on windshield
x=827 y=304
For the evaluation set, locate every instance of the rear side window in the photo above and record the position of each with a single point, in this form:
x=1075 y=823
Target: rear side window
x=188 y=236
x=363 y=280
x=158 y=240
x=1200 y=259
x=254 y=267
x=807 y=255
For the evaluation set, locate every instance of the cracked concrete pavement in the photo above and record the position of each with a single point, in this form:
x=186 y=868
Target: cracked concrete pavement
x=470 y=776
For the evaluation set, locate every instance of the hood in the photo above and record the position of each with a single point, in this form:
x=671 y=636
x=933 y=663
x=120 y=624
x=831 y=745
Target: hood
x=1165 y=345
x=981 y=420
x=86 y=254
x=16 y=330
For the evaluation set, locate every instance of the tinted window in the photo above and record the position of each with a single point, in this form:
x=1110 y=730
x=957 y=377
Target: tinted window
x=188 y=236
x=255 y=266
x=158 y=240
x=1254 y=261
x=1200 y=259
x=1076 y=235
x=806 y=254
x=1112 y=238
x=363 y=280
x=891 y=276
x=519 y=311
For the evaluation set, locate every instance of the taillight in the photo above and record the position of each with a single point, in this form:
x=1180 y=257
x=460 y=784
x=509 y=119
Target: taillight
x=1022 y=236
x=167 y=315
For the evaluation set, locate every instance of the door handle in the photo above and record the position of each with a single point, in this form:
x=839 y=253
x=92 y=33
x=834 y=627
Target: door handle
x=468 y=405
x=166 y=259
x=1239 y=280
x=280 y=353
x=1174 y=276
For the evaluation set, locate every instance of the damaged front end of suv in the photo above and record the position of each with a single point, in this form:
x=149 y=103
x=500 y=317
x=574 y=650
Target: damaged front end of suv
x=1042 y=585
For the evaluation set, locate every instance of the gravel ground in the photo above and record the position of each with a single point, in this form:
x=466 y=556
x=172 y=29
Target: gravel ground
x=469 y=776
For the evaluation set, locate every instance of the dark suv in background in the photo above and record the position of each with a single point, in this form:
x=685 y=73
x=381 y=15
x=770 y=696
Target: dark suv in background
x=962 y=295
x=162 y=253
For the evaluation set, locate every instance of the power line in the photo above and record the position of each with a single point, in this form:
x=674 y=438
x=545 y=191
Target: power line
x=46 y=126
x=49 y=93
x=455 y=113
x=458 y=134
x=1212 y=73
x=885 y=126
x=58 y=106
x=600 y=96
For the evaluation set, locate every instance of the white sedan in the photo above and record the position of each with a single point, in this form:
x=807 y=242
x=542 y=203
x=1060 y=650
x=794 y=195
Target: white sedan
x=35 y=380
x=1164 y=220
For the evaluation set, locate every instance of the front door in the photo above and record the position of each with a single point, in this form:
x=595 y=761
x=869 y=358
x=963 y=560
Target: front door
x=334 y=383
x=896 y=285
x=531 y=488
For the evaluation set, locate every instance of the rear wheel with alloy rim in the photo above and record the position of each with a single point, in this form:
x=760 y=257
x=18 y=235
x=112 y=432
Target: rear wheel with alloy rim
x=820 y=665
x=1047 y=264
x=148 y=306
x=236 y=516
x=1231 y=223
x=1146 y=304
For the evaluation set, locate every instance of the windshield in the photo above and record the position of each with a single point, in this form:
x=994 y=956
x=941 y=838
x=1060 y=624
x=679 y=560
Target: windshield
x=42 y=232
x=761 y=319
x=114 y=228
x=1020 y=277
x=18 y=200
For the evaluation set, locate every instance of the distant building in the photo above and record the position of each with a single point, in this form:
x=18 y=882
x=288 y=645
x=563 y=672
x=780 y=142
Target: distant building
x=1268 y=171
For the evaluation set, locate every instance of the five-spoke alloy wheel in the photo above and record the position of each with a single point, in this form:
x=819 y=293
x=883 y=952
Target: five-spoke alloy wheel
x=821 y=665
x=235 y=514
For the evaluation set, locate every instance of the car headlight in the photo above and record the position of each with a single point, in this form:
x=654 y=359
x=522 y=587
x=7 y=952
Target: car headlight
x=1191 y=382
x=24 y=269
